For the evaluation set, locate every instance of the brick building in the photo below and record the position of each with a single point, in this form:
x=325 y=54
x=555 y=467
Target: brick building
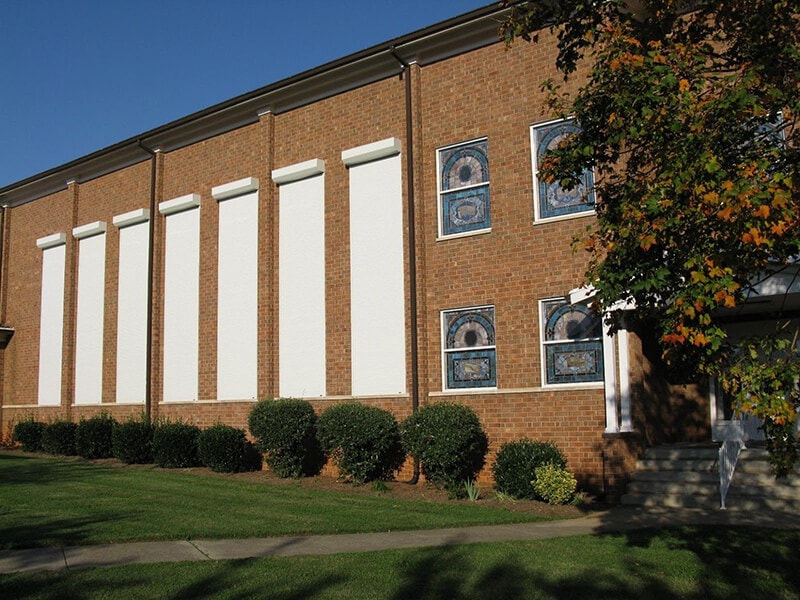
x=372 y=229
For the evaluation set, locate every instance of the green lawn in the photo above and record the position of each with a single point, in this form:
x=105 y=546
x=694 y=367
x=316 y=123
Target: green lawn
x=53 y=502
x=690 y=563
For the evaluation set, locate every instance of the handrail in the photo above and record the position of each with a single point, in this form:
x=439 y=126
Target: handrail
x=729 y=457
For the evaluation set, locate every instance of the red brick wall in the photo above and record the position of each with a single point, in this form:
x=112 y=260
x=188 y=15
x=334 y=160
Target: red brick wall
x=493 y=92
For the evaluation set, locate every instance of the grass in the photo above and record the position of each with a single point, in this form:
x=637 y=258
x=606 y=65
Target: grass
x=63 y=502
x=692 y=563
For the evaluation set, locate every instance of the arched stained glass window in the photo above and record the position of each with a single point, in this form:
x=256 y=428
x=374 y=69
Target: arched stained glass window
x=572 y=343
x=551 y=199
x=463 y=178
x=469 y=348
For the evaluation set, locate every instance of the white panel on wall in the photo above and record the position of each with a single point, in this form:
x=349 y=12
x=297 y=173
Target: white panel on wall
x=89 y=321
x=181 y=304
x=237 y=320
x=301 y=288
x=52 y=323
x=132 y=312
x=377 y=290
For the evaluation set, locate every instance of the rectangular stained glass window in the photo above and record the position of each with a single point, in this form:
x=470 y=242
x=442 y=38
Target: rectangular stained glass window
x=463 y=179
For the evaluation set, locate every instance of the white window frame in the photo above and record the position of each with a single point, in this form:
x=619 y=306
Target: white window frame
x=441 y=193
x=486 y=348
x=537 y=212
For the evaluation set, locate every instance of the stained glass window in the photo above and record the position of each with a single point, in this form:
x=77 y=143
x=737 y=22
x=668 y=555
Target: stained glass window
x=469 y=348
x=572 y=343
x=551 y=199
x=464 y=188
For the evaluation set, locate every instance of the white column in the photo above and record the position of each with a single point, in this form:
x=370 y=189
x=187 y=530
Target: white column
x=610 y=378
x=624 y=381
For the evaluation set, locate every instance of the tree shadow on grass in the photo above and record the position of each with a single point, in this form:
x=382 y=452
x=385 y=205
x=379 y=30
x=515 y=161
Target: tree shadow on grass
x=224 y=579
x=19 y=469
x=721 y=563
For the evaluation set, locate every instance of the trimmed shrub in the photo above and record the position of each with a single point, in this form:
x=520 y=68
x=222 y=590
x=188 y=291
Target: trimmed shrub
x=363 y=441
x=449 y=442
x=93 y=436
x=58 y=437
x=28 y=434
x=175 y=445
x=554 y=484
x=286 y=431
x=516 y=463
x=223 y=449
x=132 y=442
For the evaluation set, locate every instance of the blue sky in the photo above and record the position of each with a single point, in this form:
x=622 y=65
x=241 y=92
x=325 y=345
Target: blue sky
x=79 y=75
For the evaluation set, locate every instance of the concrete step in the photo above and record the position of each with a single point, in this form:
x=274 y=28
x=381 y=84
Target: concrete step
x=688 y=476
x=766 y=480
x=755 y=503
x=783 y=492
x=689 y=452
x=671 y=501
x=707 y=477
x=673 y=488
x=693 y=465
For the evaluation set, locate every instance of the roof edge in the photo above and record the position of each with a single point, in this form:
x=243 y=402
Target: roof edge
x=431 y=44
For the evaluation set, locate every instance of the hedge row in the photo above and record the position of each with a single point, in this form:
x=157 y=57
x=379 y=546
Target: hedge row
x=367 y=443
x=364 y=442
x=168 y=444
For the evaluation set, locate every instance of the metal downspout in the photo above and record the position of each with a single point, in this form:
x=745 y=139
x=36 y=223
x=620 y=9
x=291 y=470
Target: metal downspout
x=412 y=246
x=2 y=256
x=150 y=254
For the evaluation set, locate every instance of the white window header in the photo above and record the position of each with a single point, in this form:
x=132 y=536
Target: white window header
x=179 y=204
x=296 y=172
x=133 y=217
x=89 y=230
x=373 y=151
x=57 y=239
x=234 y=188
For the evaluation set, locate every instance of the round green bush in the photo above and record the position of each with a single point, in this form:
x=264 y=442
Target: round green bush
x=448 y=441
x=175 y=445
x=58 y=437
x=286 y=431
x=28 y=434
x=363 y=441
x=132 y=442
x=93 y=436
x=516 y=463
x=223 y=449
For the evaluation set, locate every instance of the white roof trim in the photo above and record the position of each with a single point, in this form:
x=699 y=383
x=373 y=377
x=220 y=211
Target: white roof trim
x=89 y=230
x=373 y=151
x=134 y=217
x=234 y=188
x=57 y=239
x=179 y=204
x=298 y=171
x=581 y=294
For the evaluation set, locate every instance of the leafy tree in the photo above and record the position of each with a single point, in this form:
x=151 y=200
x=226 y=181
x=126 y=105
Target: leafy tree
x=688 y=119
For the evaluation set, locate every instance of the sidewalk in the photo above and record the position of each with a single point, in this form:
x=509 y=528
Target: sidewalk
x=616 y=519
